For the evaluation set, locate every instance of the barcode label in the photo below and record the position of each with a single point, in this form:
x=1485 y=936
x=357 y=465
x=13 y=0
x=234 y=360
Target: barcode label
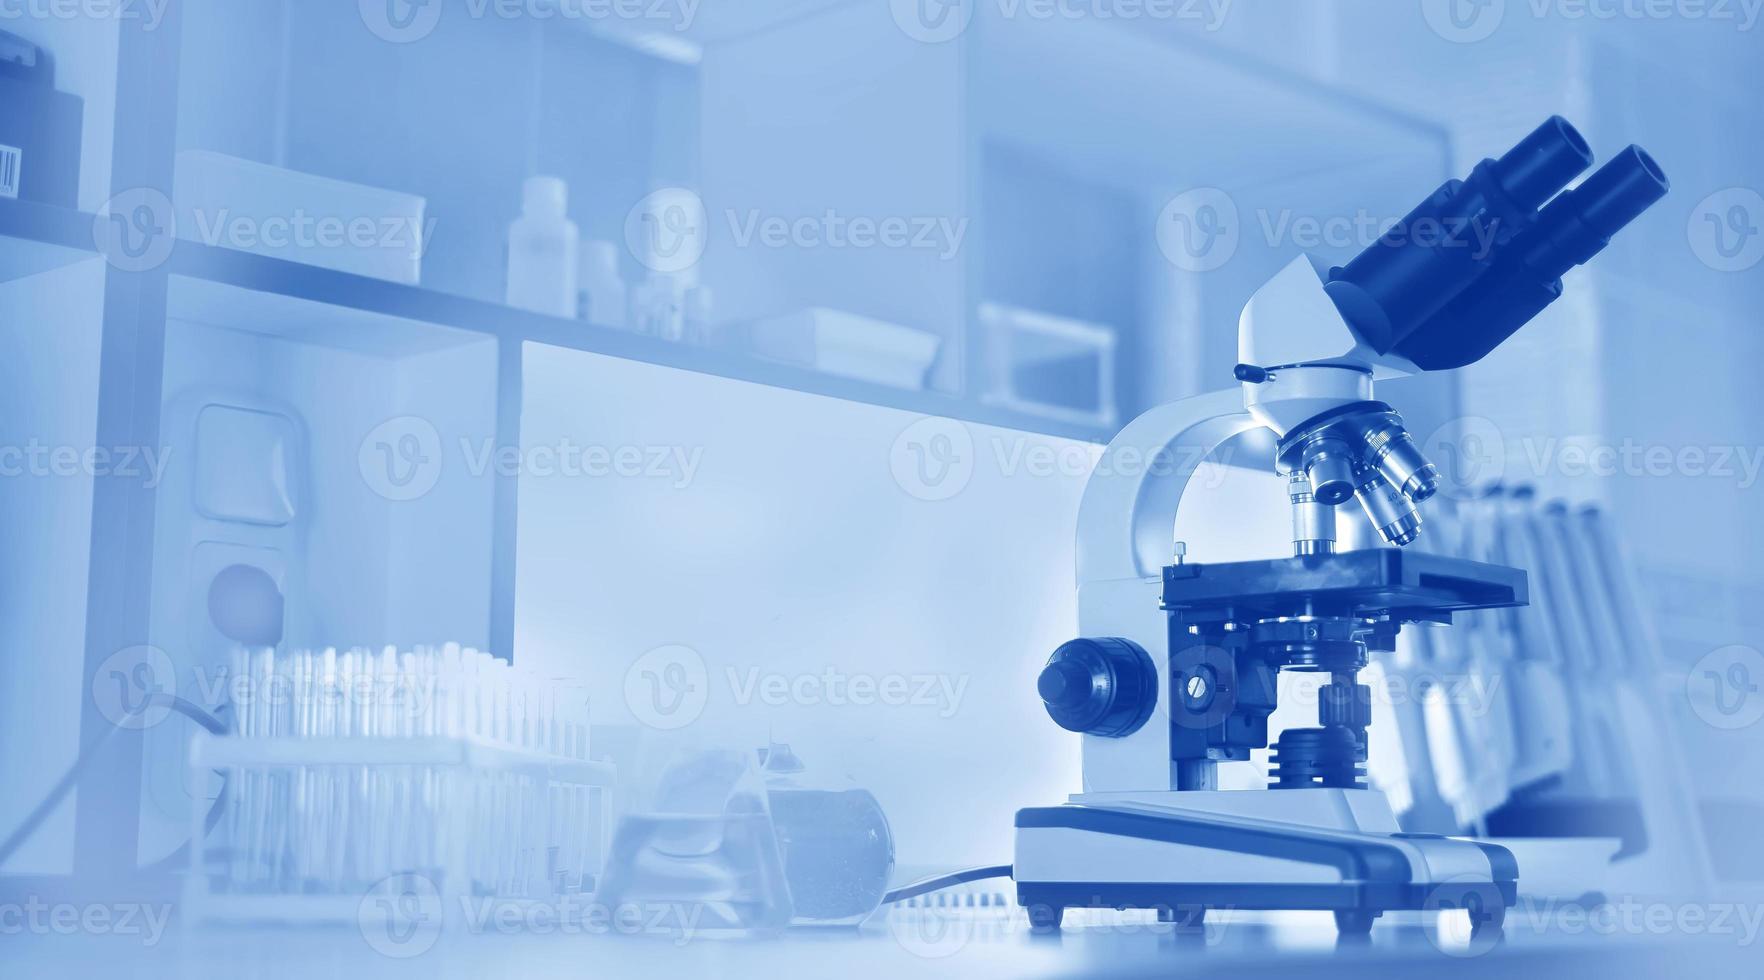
x=11 y=162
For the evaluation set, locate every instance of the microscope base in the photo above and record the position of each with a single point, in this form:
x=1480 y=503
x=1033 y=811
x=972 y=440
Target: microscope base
x=1185 y=853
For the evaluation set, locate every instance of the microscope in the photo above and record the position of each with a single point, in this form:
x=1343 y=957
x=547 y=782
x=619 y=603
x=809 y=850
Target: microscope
x=1179 y=669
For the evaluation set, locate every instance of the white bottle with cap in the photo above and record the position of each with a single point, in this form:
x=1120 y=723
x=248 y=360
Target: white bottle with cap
x=542 y=247
x=603 y=291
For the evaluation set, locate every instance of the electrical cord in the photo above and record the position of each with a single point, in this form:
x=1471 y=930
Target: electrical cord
x=38 y=816
x=937 y=883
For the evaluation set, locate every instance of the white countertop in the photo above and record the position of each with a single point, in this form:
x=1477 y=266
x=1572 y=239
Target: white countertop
x=982 y=943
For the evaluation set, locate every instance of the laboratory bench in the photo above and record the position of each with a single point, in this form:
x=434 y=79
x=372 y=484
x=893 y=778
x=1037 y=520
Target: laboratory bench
x=1286 y=946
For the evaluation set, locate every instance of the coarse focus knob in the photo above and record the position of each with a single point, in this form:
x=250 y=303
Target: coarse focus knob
x=1106 y=687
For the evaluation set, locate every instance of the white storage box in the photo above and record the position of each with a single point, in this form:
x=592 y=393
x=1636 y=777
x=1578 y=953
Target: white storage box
x=252 y=207
x=1048 y=366
x=849 y=345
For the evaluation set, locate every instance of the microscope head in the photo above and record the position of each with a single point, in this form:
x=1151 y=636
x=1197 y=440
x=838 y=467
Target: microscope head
x=1481 y=257
x=1441 y=289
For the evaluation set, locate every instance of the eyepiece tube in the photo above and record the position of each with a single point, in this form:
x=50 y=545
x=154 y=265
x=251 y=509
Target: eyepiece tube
x=1393 y=514
x=1543 y=163
x=1620 y=191
x=1579 y=224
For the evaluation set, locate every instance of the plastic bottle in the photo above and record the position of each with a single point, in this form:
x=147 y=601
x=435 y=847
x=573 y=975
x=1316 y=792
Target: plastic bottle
x=658 y=306
x=542 y=250
x=603 y=292
x=697 y=316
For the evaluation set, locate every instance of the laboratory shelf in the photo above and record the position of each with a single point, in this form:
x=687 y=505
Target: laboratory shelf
x=36 y=238
x=230 y=289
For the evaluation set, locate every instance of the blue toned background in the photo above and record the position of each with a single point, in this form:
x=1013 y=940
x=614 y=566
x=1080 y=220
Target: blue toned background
x=892 y=272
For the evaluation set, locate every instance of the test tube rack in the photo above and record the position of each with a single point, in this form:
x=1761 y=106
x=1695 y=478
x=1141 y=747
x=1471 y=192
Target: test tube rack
x=439 y=770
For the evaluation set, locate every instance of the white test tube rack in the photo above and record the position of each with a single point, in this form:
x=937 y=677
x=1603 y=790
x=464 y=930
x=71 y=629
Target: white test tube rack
x=543 y=832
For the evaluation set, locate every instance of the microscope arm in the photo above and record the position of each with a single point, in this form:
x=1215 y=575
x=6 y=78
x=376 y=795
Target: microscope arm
x=1126 y=529
x=1127 y=518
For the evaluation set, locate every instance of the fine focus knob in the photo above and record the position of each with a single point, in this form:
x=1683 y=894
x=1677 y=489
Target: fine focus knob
x=1106 y=687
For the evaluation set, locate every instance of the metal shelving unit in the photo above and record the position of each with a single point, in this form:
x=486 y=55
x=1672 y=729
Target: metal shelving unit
x=208 y=284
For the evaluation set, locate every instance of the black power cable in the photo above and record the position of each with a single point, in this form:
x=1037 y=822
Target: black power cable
x=38 y=816
x=937 y=883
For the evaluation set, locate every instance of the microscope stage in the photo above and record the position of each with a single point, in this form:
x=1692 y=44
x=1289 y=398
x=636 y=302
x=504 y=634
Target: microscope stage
x=1406 y=585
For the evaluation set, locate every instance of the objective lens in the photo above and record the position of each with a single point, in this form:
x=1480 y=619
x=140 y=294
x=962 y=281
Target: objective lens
x=1394 y=453
x=1313 y=522
x=1329 y=465
x=1393 y=514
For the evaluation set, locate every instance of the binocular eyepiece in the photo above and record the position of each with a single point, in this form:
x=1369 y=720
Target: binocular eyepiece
x=1482 y=256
